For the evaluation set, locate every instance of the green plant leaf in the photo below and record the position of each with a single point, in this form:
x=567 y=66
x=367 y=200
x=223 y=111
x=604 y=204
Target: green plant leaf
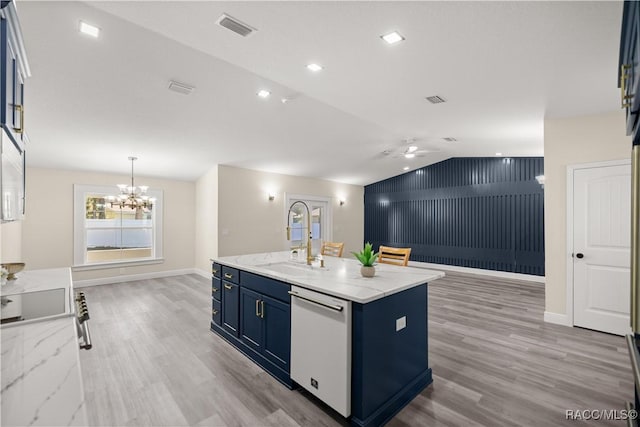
x=367 y=256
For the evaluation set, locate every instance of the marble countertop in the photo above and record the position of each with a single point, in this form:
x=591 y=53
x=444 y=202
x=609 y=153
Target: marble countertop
x=340 y=277
x=42 y=280
x=41 y=381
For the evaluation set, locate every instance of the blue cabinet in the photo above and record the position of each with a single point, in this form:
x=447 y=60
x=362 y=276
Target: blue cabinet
x=254 y=317
x=251 y=322
x=231 y=308
x=276 y=331
x=266 y=326
x=14 y=70
x=629 y=67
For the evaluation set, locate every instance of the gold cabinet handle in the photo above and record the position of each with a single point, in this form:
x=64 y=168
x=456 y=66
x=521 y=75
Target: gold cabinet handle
x=214 y=271
x=227 y=287
x=214 y=289
x=624 y=98
x=258 y=307
x=262 y=309
x=228 y=276
x=214 y=312
x=20 y=109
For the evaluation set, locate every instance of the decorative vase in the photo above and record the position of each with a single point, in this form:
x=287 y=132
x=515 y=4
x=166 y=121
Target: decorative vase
x=368 y=271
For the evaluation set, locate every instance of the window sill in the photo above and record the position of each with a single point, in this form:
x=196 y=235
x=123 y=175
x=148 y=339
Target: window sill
x=116 y=264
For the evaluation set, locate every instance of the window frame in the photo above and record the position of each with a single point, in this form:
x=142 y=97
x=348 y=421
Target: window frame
x=80 y=230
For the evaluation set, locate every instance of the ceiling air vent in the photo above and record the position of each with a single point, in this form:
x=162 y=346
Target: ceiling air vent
x=435 y=99
x=238 y=27
x=182 y=88
x=450 y=139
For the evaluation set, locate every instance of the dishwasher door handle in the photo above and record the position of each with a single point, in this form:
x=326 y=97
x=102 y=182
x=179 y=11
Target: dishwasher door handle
x=315 y=301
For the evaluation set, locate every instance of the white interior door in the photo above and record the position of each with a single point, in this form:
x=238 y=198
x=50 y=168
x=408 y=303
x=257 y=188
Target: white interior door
x=601 y=248
x=321 y=222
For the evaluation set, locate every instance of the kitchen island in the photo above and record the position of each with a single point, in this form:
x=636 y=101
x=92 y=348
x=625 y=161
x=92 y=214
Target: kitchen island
x=328 y=329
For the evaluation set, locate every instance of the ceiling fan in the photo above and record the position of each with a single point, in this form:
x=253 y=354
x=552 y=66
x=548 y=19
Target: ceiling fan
x=408 y=149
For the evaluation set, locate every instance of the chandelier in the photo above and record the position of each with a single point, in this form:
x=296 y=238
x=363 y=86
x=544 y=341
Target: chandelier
x=130 y=196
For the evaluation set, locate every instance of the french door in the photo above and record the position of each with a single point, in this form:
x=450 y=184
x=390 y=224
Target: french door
x=320 y=211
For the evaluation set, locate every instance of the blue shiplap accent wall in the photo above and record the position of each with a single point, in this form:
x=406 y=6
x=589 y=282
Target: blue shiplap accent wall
x=471 y=212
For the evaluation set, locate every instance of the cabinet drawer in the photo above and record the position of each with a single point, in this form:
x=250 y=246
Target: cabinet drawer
x=216 y=312
x=216 y=288
x=265 y=286
x=216 y=270
x=230 y=274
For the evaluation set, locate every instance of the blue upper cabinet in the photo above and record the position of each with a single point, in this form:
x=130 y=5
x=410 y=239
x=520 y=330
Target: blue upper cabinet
x=14 y=70
x=629 y=67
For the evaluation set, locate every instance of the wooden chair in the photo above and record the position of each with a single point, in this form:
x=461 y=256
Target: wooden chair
x=332 y=248
x=395 y=256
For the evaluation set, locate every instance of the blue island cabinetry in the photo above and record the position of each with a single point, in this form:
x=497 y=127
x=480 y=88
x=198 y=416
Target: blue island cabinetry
x=389 y=348
x=254 y=317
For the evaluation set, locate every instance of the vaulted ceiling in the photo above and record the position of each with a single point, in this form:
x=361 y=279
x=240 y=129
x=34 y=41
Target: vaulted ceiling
x=501 y=67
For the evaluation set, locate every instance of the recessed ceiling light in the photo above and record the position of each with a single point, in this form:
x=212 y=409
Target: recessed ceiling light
x=89 y=29
x=284 y=100
x=392 y=38
x=409 y=155
x=314 y=67
x=406 y=168
x=263 y=93
x=498 y=154
x=412 y=148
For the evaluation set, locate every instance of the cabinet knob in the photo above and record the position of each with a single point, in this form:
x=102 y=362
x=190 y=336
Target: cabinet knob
x=214 y=271
x=214 y=290
x=214 y=312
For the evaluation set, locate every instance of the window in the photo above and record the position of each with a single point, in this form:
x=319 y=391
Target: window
x=106 y=235
x=320 y=221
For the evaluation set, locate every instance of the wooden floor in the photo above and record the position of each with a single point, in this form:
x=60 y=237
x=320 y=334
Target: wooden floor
x=495 y=362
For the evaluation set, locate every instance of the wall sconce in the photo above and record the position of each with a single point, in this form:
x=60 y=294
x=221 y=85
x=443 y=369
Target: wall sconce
x=540 y=179
x=271 y=197
x=341 y=202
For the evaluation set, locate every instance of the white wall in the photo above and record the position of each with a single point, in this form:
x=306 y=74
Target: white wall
x=569 y=141
x=248 y=222
x=11 y=241
x=206 y=237
x=47 y=231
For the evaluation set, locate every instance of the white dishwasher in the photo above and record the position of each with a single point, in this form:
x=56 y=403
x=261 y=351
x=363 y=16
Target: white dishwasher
x=321 y=347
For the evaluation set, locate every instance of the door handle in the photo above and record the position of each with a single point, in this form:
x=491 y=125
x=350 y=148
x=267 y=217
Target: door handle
x=19 y=109
x=227 y=287
x=579 y=255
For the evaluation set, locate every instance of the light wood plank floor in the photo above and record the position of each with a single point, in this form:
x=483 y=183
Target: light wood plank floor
x=495 y=362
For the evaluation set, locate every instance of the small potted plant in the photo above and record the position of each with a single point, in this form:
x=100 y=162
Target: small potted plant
x=367 y=258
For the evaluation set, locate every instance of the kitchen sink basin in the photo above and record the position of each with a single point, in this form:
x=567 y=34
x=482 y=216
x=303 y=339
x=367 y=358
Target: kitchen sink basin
x=289 y=268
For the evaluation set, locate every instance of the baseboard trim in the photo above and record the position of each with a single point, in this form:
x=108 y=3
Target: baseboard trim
x=132 y=277
x=203 y=273
x=481 y=271
x=557 y=318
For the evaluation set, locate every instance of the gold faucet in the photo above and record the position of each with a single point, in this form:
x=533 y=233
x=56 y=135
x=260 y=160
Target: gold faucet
x=309 y=259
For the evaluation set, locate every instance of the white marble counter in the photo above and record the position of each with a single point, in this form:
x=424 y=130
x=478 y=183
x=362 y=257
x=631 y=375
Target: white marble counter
x=42 y=280
x=340 y=277
x=41 y=381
